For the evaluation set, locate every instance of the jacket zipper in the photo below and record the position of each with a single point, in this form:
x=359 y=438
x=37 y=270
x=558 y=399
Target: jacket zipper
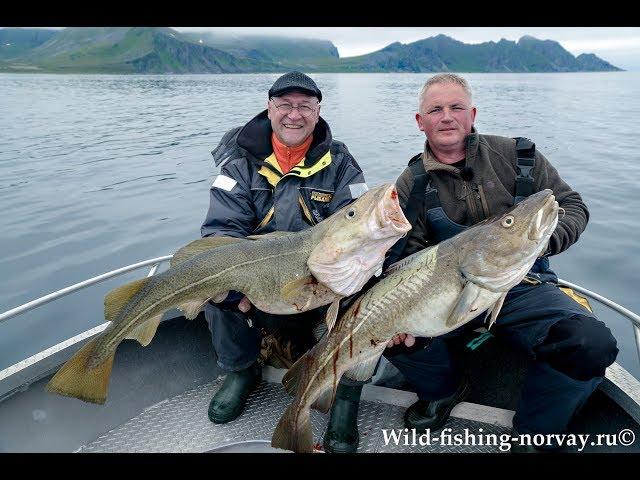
x=471 y=204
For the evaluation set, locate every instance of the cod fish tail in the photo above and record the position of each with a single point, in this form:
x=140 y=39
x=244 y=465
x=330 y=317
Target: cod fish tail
x=293 y=431
x=77 y=379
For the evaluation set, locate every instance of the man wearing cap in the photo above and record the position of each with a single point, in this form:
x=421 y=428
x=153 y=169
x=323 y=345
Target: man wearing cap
x=282 y=171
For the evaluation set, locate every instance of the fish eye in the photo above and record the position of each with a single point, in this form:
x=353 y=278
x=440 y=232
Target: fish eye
x=351 y=213
x=507 y=221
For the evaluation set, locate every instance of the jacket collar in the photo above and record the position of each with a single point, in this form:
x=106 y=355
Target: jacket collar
x=472 y=144
x=255 y=138
x=471 y=148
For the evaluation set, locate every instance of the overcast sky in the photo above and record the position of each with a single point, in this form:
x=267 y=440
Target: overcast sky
x=617 y=45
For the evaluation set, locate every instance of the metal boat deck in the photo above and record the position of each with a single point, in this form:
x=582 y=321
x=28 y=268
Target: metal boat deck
x=159 y=396
x=180 y=424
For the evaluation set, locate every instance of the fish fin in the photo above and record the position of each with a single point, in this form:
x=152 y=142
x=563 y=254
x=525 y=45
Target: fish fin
x=495 y=310
x=293 y=431
x=364 y=370
x=119 y=297
x=319 y=330
x=324 y=401
x=294 y=287
x=332 y=314
x=76 y=379
x=461 y=309
x=145 y=332
x=272 y=235
x=292 y=378
x=192 y=308
x=201 y=245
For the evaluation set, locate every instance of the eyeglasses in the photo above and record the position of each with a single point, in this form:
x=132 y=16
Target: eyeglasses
x=287 y=108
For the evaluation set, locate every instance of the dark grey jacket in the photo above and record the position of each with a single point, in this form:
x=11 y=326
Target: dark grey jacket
x=250 y=196
x=491 y=190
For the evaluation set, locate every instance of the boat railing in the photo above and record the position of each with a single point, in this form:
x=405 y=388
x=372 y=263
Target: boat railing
x=27 y=362
x=156 y=262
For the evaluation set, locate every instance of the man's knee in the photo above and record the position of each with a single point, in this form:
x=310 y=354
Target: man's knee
x=210 y=315
x=579 y=346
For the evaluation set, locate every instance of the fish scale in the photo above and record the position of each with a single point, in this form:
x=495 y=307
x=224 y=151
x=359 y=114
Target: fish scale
x=280 y=273
x=440 y=289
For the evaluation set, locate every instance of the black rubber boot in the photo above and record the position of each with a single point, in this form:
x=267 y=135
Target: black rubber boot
x=434 y=414
x=229 y=401
x=342 y=432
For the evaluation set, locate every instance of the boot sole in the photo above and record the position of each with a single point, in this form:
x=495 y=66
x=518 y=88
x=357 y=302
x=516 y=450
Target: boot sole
x=350 y=449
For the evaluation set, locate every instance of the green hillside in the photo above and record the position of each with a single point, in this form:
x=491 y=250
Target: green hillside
x=15 y=42
x=163 y=50
x=128 y=50
x=277 y=50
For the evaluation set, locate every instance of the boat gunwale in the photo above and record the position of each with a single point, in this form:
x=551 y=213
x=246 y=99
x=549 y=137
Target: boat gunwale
x=619 y=385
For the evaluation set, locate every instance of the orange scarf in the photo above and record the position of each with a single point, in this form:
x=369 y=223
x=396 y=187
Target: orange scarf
x=289 y=157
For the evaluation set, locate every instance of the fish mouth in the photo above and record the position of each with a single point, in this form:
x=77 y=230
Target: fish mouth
x=390 y=214
x=545 y=220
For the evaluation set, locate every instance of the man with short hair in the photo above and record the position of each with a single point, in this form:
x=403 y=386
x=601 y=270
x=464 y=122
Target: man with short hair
x=282 y=171
x=468 y=178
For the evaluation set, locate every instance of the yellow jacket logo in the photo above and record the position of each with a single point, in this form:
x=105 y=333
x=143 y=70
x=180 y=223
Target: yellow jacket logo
x=321 y=196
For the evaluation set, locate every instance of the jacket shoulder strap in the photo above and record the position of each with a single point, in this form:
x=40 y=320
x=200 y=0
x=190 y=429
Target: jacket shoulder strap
x=526 y=152
x=415 y=204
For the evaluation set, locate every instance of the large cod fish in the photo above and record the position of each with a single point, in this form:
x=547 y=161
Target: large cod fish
x=280 y=273
x=428 y=294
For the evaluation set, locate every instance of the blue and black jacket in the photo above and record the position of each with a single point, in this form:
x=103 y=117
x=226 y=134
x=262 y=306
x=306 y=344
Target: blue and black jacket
x=251 y=195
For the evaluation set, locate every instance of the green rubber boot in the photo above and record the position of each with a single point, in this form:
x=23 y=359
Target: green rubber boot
x=229 y=401
x=342 y=432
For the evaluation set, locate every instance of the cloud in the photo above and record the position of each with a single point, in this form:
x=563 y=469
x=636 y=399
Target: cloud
x=622 y=43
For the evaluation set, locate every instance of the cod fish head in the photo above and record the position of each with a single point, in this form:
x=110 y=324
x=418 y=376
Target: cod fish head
x=355 y=239
x=497 y=253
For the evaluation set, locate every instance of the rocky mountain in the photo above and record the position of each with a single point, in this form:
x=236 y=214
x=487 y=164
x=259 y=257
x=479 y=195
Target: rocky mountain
x=442 y=54
x=278 y=50
x=163 y=50
x=129 y=50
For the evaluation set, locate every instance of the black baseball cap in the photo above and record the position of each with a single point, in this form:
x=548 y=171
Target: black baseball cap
x=295 y=82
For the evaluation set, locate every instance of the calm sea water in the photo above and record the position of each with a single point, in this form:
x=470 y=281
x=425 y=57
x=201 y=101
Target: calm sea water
x=98 y=171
